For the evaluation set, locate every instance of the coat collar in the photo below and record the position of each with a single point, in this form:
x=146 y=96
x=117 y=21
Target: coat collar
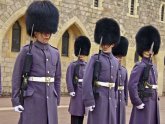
x=81 y=62
x=146 y=60
x=41 y=45
x=110 y=55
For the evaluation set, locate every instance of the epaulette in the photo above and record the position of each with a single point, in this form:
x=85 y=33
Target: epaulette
x=136 y=64
x=123 y=67
x=74 y=61
x=26 y=45
x=54 y=47
x=96 y=54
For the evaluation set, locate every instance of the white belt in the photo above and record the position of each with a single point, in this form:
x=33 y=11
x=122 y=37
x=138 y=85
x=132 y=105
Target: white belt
x=153 y=86
x=80 y=80
x=105 y=84
x=120 y=87
x=41 y=79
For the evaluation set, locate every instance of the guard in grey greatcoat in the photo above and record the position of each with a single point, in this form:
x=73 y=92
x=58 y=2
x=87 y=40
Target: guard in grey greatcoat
x=74 y=79
x=43 y=89
x=119 y=52
x=0 y=82
x=99 y=90
x=143 y=79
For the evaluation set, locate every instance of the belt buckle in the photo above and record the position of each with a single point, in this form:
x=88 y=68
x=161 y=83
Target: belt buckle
x=110 y=85
x=47 y=79
x=119 y=87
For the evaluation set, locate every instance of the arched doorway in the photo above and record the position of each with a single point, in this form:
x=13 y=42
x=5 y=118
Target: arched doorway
x=66 y=49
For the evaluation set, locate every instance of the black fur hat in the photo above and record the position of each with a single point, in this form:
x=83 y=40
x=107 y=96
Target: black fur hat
x=144 y=39
x=122 y=48
x=82 y=45
x=44 y=15
x=108 y=29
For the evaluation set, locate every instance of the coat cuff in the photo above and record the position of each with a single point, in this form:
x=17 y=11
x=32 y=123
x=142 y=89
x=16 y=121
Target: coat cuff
x=15 y=101
x=89 y=102
x=137 y=102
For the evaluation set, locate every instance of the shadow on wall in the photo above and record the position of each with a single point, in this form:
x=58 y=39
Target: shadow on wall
x=164 y=79
x=0 y=82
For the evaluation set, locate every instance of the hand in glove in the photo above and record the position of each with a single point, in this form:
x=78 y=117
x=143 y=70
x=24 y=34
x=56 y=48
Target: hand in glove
x=90 y=108
x=141 y=106
x=72 y=94
x=18 y=108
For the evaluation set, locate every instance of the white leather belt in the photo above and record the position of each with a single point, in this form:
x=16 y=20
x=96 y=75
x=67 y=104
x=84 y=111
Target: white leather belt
x=80 y=80
x=153 y=86
x=105 y=84
x=120 y=87
x=42 y=79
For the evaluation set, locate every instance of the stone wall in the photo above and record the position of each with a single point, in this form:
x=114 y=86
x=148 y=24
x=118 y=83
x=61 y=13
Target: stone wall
x=79 y=17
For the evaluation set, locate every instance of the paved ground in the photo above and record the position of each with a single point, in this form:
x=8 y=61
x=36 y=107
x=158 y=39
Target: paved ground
x=8 y=116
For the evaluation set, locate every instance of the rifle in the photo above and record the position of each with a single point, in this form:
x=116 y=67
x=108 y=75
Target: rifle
x=26 y=70
x=96 y=71
x=76 y=72
x=145 y=76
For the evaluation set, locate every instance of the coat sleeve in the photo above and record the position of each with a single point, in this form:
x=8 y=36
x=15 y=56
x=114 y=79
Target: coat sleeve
x=126 y=88
x=69 y=77
x=133 y=85
x=17 y=77
x=88 y=96
x=57 y=83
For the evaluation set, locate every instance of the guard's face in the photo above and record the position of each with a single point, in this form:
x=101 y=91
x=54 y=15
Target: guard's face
x=107 y=48
x=82 y=57
x=147 y=54
x=42 y=37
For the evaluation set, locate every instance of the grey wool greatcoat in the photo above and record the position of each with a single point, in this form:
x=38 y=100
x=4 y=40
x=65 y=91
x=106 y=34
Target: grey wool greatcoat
x=76 y=106
x=105 y=101
x=41 y=99
x=0 y=82
x=122 y=95
x=150 y=113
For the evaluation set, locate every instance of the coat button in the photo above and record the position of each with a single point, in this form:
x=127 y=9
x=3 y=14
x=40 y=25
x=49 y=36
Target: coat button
x=47 y=60
x=48 y=72
x=111 y=76
x=47 y=97
x=48 y=84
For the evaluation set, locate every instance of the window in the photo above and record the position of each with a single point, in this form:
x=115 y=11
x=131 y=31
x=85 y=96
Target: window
x=162 y=13
x=132 y=7
x=136 y=57
x=96 y=3
x=16 y=37
x=65 y=44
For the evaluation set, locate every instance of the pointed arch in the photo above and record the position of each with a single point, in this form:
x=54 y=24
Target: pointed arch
x=13 y=18
x=73 y=21
x=6 y=25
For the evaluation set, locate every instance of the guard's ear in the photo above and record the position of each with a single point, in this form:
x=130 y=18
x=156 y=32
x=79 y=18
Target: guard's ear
x=112 y=45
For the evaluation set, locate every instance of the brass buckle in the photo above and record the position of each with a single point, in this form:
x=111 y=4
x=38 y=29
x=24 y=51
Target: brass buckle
x=47 y=79
x=148 y=85
x=110 y=85
x=120 y=87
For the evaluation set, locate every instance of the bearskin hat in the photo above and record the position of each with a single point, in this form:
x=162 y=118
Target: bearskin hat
x=122 y=48
x=144 y=39
x=43 y=15
x=107 y=29
x=82 y=45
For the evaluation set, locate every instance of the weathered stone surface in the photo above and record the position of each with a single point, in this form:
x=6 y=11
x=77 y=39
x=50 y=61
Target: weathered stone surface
x=78 y=17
